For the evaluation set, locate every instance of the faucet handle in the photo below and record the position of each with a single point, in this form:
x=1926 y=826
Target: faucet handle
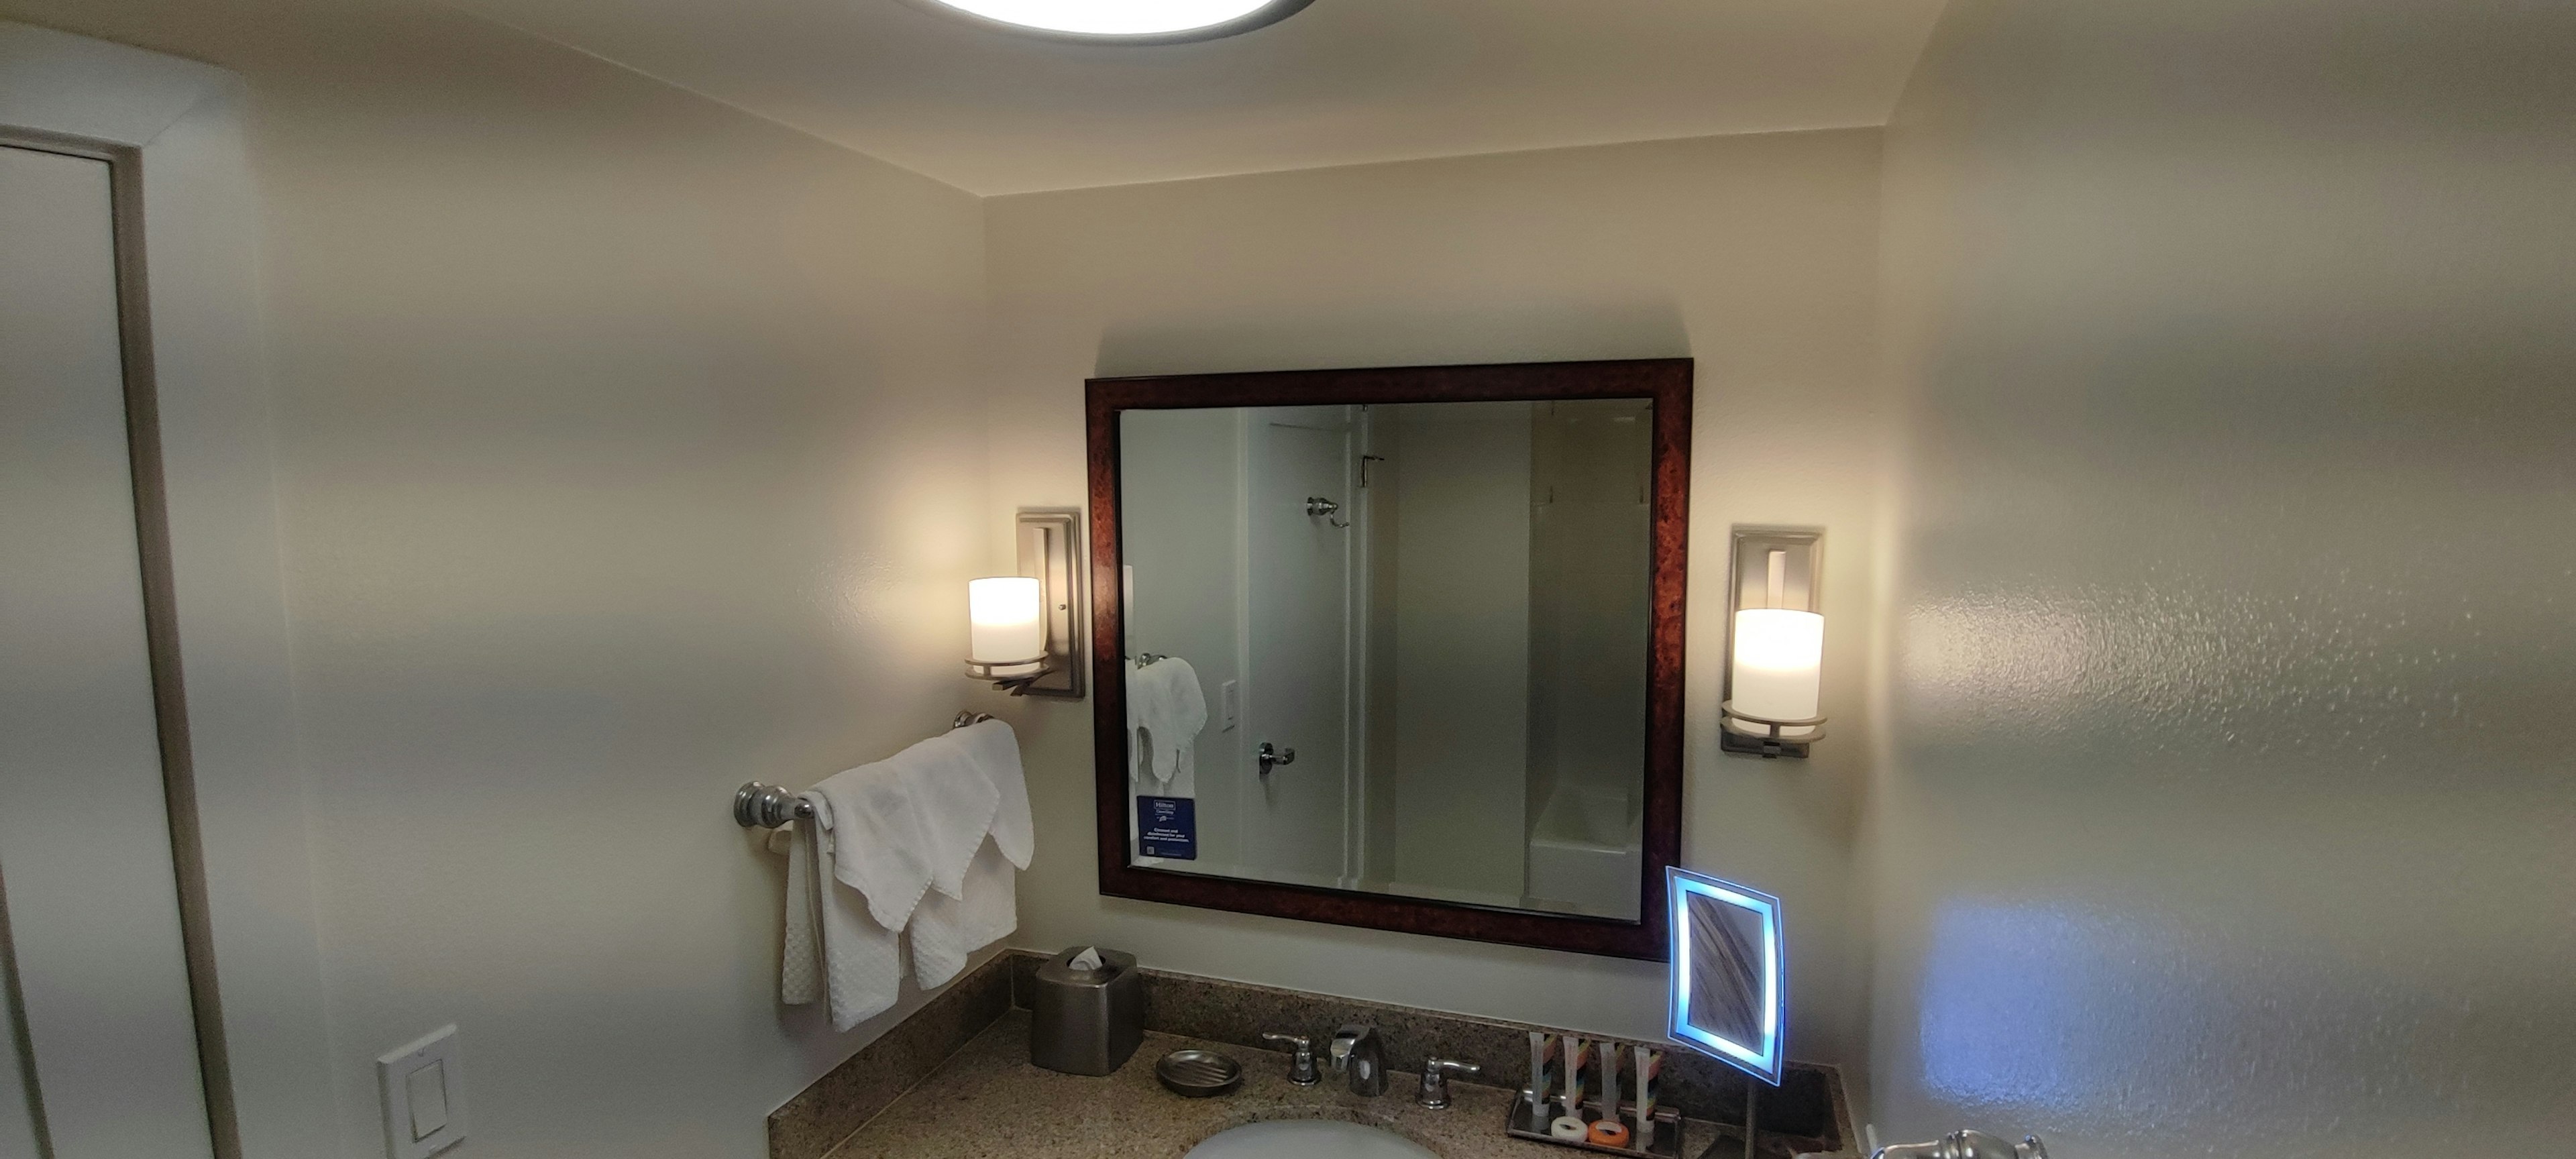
x=1435 y=1080
x=1301 y=1064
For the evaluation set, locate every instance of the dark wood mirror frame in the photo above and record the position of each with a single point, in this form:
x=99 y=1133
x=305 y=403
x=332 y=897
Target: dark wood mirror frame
x=1667 y=381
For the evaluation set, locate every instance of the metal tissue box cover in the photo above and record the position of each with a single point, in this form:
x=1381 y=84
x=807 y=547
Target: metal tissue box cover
x=1086 y=1021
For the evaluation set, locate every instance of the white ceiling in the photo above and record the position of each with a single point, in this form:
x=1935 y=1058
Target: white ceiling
x=1343 y=82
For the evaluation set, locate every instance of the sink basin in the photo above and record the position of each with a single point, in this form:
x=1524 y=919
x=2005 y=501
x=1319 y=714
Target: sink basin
x=1306 y=1139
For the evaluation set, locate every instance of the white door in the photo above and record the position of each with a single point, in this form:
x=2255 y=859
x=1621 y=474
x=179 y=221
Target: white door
x=102 y=1054
x=1298 y=617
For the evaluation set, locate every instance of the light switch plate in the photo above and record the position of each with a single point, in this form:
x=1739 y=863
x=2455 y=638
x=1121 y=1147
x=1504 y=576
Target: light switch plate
x=424 y=1092
x=1229 y=697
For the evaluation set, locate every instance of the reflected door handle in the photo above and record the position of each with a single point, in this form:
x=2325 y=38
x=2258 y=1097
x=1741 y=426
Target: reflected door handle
x=1327 y=510
x=1271 y=758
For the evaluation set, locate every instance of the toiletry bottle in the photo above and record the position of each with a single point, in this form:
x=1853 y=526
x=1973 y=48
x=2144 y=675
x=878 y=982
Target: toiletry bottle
x=1542 y=1074
x=1650 y=1083
x=1577 y=1054
x=1607 y=1053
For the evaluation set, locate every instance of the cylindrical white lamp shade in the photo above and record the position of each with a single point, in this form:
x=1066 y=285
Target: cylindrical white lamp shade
x=1778 y=666
x=1008 y=618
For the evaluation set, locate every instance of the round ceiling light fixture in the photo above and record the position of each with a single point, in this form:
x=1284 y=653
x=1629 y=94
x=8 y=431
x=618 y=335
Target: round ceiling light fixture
x=1128 y=21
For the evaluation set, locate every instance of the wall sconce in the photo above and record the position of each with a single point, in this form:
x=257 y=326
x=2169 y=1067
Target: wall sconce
x=1025 y=630
x=1775 y=643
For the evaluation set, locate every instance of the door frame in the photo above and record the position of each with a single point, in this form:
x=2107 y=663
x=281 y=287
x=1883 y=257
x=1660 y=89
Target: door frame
x=1667 y=381
x=199 y=429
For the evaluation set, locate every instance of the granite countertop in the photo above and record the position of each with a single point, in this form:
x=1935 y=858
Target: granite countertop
x=988 y=1102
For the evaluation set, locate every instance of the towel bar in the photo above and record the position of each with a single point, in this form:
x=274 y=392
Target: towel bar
x=759 y=806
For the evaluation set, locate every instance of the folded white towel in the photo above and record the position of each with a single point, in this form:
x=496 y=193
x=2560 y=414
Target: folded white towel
x=876 y=839
x=957 y=799
x=946 y=931
x=994 y=750
x=1164 y=702
x=925 y=841
x=861 y=961
x=912 y=822
x=947 y=927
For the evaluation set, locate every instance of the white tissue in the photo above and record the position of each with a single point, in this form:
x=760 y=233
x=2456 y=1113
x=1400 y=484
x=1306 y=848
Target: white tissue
x=1088 y=959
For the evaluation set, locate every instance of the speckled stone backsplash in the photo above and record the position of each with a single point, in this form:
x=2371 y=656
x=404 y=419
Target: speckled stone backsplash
x=1807 y=1113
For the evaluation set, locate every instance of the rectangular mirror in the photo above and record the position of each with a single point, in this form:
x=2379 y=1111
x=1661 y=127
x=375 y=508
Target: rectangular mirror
x=1395 y=648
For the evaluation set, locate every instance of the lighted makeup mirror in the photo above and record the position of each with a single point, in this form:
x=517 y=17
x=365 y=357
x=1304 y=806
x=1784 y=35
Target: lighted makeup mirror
x=1729 y=982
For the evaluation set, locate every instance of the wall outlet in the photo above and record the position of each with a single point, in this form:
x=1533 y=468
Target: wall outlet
x=1229 y=699
x=424 y=1091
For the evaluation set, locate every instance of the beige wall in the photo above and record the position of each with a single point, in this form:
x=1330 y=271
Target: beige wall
x=1755 y=255
x=629 y=451
x=2229 y=808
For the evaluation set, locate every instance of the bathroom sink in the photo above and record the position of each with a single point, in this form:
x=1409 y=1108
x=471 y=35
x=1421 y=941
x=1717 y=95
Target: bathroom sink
x=1306 y=1139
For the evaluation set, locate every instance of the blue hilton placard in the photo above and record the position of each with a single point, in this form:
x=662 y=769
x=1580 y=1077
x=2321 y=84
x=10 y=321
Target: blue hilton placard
x=1167 y=827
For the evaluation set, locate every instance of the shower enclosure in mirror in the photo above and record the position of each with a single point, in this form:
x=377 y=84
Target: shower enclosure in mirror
x=1395 y=648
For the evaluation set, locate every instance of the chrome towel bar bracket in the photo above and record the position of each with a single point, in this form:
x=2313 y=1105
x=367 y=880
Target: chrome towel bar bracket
x=759 y=806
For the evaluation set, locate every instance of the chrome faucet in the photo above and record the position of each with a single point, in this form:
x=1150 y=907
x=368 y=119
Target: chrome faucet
x=1301 y=1065
x=1358 y=1050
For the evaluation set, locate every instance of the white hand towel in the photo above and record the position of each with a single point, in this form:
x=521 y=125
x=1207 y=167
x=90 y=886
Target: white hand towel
x=946 y=930
x=861 y=960
x=1164 y=699
x=995 y=751
x=957 y=799
x=875 y=845
x=799 y=956
x=910 y=824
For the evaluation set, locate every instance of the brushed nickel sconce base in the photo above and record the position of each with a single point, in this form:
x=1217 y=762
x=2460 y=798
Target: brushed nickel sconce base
x=1016 y=683
x=1760 y=736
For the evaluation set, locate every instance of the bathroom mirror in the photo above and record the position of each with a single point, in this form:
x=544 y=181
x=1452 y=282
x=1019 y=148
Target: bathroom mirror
x=1395 y=648
x=1730 y=995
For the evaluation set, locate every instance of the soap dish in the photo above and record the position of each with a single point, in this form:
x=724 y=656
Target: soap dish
x=1199 y=1074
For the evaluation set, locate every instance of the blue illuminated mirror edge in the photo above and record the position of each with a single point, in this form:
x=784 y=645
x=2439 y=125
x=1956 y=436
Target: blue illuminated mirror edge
x=1766 y=1060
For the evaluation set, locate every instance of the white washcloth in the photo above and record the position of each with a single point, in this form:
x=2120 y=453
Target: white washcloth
x=861 y=963
x=909 y=824
x=946 y=930
x=994 y=750
x=1164 y=700
x=875 y=847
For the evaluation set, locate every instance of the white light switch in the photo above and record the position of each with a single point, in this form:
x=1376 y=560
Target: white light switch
x=428 y=1100
x=424 y=1091
x=1229 y=705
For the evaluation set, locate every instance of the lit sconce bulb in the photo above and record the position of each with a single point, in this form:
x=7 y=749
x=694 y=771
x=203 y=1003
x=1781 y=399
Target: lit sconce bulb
x=1008 y=621
x=1775 y=678
x=1779 y=667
